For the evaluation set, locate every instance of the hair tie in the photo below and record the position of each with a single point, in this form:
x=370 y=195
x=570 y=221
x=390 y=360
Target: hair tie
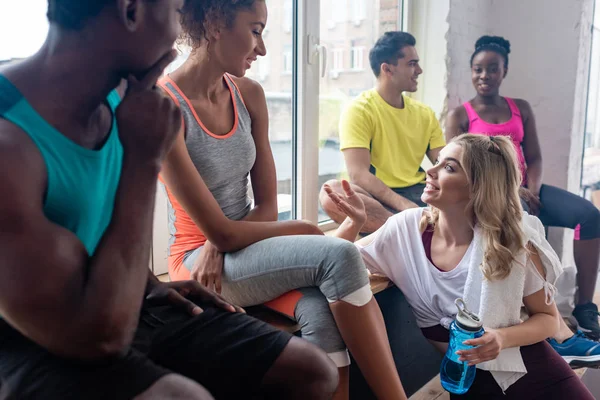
x=495 y=148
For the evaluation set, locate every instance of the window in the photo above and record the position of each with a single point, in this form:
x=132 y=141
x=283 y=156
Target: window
x=338 y=10
x=346 y=10
x=23 y=28
x=274 y=72
x=288 y=15
x=287 y=60
x=304 y=110
x=357 y=58
x=337 y=90
x=337 y=60
x=359 y=10
x=263 y=67
x=590 y=174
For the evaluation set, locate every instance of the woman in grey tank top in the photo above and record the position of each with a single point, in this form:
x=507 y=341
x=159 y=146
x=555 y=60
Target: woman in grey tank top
x=243 y=252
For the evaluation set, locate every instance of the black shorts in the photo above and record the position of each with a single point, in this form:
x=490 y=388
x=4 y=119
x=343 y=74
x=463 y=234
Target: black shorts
x=227 y=353
x=412 y=193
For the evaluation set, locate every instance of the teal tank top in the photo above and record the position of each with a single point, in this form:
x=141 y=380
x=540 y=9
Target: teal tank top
x=82 y=183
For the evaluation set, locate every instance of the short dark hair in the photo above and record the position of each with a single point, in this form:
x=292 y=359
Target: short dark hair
x=72 y=14
x=388 y=49
x=497 y=44
x=197 y=14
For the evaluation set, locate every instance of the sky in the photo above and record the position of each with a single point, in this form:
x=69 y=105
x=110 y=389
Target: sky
x=23 y=27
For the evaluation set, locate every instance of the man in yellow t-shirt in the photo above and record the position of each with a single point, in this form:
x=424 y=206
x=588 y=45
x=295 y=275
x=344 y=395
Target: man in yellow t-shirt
x=385 y=135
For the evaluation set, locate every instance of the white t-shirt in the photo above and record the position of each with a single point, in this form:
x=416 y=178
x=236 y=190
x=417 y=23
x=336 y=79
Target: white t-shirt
x=397 y=252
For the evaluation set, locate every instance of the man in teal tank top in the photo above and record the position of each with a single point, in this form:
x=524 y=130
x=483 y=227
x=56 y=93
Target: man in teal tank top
x=82 y=315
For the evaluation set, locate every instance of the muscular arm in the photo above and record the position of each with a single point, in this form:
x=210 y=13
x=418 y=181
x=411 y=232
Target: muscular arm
x=531 y=148
x=358 y=162
x=50 y=289
x=457 y=123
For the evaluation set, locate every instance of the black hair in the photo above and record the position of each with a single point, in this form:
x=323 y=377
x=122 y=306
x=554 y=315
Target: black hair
x=196 y=16
x=497 y=44
x=72 y=14
x=388 y=49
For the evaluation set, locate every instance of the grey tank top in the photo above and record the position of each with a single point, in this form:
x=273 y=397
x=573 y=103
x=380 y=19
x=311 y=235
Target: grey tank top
x=223 y=161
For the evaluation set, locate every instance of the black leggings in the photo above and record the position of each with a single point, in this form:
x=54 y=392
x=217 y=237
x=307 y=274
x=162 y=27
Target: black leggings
x=548 y=377
x=567 y=210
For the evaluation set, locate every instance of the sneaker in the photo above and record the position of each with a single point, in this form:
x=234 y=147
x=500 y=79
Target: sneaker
x=587 y=319
x=578 y=351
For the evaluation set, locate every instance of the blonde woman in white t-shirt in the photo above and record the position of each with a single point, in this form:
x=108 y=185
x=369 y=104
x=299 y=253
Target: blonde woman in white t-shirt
x=475 y=242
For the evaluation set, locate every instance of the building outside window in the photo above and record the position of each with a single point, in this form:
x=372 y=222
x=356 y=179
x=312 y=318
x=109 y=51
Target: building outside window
x=357 y=57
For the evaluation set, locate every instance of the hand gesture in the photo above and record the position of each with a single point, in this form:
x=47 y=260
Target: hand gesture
x=350 y=204
x=208 y=268
x=187 y=295
x=148 y=120
x=488 y=348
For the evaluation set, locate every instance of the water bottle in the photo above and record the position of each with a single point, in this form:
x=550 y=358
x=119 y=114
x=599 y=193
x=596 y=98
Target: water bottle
x=457 y=376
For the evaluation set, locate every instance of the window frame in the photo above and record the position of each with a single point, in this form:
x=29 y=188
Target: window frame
x=307 y=69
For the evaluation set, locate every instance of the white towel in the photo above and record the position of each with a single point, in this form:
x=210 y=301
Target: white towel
x=498 y=303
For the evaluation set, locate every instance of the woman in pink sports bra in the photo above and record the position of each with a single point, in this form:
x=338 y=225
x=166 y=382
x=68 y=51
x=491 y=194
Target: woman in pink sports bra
x=490 y=114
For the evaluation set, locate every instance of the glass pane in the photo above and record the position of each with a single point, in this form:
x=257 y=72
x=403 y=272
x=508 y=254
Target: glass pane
x=590 y=176
x=23 y=28
x=274 y=73
x=349 y=28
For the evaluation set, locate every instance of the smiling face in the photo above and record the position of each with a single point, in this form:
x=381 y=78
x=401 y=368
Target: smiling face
x=236 y=47
x=405 y=73
x=447 y=185
x=487 y=72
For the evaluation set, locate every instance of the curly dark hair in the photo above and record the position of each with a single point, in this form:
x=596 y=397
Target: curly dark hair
x=497 y=44
x=197 y=15
x=72 y=14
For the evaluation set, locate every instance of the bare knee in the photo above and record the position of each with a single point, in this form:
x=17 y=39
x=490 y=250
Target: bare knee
x=334 y=184
x=303 y=370
x=328 y=205
x=175 y=387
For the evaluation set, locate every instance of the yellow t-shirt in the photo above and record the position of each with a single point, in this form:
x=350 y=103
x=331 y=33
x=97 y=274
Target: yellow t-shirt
x=397 y=138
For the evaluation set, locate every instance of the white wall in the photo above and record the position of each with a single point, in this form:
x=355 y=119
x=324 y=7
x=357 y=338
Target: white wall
x=549 y=65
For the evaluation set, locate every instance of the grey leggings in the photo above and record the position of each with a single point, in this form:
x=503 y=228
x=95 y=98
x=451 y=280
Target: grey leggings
x=323 y=268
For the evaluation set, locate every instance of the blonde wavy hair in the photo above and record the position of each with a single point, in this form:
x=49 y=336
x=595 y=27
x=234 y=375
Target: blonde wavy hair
x=490 y=164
